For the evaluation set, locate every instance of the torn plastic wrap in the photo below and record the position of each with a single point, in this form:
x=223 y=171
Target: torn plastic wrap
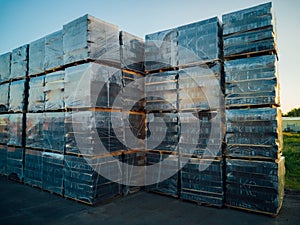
x=90 y=38
x=54 y=55
x=19 y=62
x=161 y=50
x=33 y=168
x=132 y=50
x=254 y=133
x=3 y=159
x=15 y=129
x=34 y=130
x=83 y=183
x=4 y=128
x=54 y=131
x=4 y=93
x=17 y=96
x=200 y=41
x=36 y=56
x=202 y=181
x=92 y=85
x=52 y=172
x=15 y=163
x=162 y=131
x=252 y=81
x=54 y=91
x=36 y=97
x=163 y=85
x=5 y=61
x=166 y=186
x=255 y=185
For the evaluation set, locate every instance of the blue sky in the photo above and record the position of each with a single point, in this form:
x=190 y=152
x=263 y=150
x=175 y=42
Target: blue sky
x=24 y=21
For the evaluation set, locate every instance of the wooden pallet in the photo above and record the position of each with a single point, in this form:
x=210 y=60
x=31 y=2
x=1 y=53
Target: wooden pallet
x=252 y=106
x=204 y=64
x=56 y=69
x=92 y=109
x=251 y=54
x=162 y=70
x=253 y=210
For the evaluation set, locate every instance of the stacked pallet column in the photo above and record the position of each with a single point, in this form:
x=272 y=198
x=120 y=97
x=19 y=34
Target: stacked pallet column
x=254 y=166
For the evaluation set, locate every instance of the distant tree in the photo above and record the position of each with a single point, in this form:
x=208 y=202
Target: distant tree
x=293 y=113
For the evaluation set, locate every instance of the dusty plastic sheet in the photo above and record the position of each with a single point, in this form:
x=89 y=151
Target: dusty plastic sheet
x=200 y=41
x=33 y=168
x=17 y=96
x=90 y=38
x=162 y=131
x=202 y=181
x=5 y=61
x=54 y=91
x=19 y=62
x=132 y=50
x=54 y=131
x=36 y=97
x=168 y=186
x=4 y=128
x=84 y=183
x=161 y=50
x=36 y=56
x=52 y=172
x=92 y=85
x=4 y=93
x=54 y=50
x=254 y=132
x=255 y=185
x=15 y=129
x=34 y=130
x=252 y=81
x=3 y=159
x=15 y=163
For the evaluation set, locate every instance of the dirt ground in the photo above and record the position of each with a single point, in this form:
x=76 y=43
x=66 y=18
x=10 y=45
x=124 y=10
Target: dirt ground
x=21 y=204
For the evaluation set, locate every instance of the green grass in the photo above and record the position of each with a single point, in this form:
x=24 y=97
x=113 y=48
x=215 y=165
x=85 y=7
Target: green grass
x=291 y=151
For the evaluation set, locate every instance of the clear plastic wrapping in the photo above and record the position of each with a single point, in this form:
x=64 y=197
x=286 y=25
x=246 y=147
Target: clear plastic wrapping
x=19 y=62
x=36 y=97
x=54 y=50
x=5 y=61
x=255 y=185
x=4 y=93
x=4 y=128
x=34 y=130
x=15 y=163
x=3 y=159
x=33 y=168
x=17 y=96
x=36 y=56
x=203 y=185
x=54 y=91
x=15 y=129
x=90 y=38
x=254 y=132
x=132 y=50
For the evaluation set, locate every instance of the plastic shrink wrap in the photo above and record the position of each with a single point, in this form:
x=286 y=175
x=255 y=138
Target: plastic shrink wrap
x=36 y=97
x=34 y=130
x=15 y=163
x=19 y=62
x=3 y=159
x=17 y=96
x=36 y=56
x=4 y=128
x=33 y=168
x=54 y=55
x=15 y=129
x=4 y=97
x=54 y=91
x=5 y=61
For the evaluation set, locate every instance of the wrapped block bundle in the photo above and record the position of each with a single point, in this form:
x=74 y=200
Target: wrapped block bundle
x=54 y=55
x=36 y=97
x=17 y=96
x=83 y=180
x=33 y=168
x=200 y=41
x=54 y=91
x=4 y=99
x=255 y=185
x=166 y=165
x=162 y=131
x=92 y=85
x=161 y=91
x=90 y=38
x=34 y=130
x=36 y=57
x=3 y=159
x=52 y=172
x=4 y=128
x=15 y=129
x=249 y=30
x=5 y=61
x=202 y=181
x=19 y=62
x=254 y=133
x=161 y=50
x=14 y=166
x=132 y=50
x=252 y=81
